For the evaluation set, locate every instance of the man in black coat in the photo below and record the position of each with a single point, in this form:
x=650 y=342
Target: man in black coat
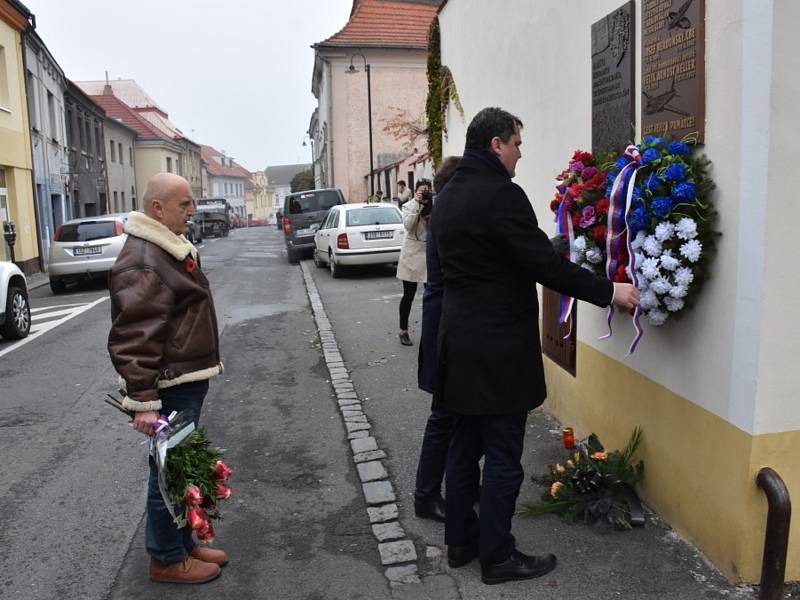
x=492 y=254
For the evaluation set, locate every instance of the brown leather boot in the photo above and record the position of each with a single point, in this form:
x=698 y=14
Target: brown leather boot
x=189 y=571
x=210 y=555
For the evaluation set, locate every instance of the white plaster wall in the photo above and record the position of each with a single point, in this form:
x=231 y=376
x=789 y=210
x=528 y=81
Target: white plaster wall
x=533 y=59
x=121 y=175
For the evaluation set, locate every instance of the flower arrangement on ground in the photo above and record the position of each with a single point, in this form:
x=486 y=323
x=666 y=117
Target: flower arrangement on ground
x=581 y=209
x=197 y=479
x=594 y=486
x=669 y=223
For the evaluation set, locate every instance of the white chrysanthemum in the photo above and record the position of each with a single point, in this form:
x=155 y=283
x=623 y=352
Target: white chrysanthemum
x=656 y=317
x=669 y=262
x=686 y=229
x=673 y=304
x=638 y=258
x=661 y=286
x=692 y=250
x=648 y=300
x=649 y=268
x=579 y=244
x=652 y=246
x=678 y=291
x=664 y=231
x=684 y=276
x=588 y=266
x=642 y=283
x=594 y=256
x=638 y=241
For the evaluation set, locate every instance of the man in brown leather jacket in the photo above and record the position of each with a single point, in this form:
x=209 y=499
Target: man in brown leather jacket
x=164 y=344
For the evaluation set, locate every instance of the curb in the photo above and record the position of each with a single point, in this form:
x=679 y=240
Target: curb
x=397 y=553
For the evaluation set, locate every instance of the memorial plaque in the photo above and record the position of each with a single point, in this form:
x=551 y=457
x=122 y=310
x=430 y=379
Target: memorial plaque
x=613 y=64
x=673 y=73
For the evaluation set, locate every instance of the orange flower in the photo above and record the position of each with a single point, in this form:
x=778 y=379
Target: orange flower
x=560 y=468
x=600 y=456
x=554 y=489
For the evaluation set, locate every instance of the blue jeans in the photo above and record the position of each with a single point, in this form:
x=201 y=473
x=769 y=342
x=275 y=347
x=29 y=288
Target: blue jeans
x=164 y=540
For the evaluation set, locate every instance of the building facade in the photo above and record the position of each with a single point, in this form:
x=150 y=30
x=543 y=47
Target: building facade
x=715 y=392
x=17 y=204
x=259 y=198
x=391 y=38
x=121 y=166
x=226 y=179
x=87 y=185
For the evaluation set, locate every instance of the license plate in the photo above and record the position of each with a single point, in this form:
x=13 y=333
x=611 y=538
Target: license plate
x=378 y=235
x=307 y=231
x=87 y=250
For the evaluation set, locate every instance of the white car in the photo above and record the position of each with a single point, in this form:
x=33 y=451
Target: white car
x=359 y=234
x=15 y=311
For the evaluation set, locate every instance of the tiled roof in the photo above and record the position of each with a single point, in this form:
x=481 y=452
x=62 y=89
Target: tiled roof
x=281 y=175
x=126 y=90
x=213 y=160
x=117 y=109
x=385 y=24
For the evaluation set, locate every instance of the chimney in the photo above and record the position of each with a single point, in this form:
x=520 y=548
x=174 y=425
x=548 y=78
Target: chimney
x=107 y=91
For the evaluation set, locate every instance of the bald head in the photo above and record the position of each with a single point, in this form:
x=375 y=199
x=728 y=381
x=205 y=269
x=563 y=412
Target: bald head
x=168 y=200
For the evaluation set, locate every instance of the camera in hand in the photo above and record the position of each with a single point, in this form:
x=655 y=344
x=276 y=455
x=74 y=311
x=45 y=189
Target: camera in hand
x=427 y=196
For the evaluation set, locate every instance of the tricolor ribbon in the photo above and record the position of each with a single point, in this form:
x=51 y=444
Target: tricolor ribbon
x=617 y=237
x=565 y=228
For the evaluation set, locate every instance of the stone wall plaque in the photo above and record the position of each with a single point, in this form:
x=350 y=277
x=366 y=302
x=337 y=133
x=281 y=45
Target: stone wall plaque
x=673 y=68
x=613 y=65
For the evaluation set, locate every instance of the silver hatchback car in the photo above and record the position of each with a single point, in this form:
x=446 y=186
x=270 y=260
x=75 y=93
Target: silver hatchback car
x=85 y=248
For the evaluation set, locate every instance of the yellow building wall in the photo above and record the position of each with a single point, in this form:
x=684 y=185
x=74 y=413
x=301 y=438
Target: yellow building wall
x=705 y=489
x=151 y=160
x=15 y=152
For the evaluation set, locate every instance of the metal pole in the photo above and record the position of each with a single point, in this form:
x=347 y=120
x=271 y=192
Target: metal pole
x=369 y=110
x=776 y=540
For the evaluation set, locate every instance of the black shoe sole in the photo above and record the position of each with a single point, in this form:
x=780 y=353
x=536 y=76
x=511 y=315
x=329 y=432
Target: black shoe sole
x=496 y=580
x=457 y=564
x=428 y=517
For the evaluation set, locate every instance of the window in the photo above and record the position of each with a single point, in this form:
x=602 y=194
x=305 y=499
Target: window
x=51 y=112
x=4 y=214
x=130 y=155
x=88 y=230
x=33 y=114
x=113 y=157
x=70 y=131
x=116 y=203
x=121 y=201
x=119 y=145
x=169 y=164
x=4 y=98
x=312 y=202
x=378 y=215
x=98 y=147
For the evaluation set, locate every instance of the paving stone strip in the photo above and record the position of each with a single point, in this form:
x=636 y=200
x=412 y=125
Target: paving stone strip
x=397 y=554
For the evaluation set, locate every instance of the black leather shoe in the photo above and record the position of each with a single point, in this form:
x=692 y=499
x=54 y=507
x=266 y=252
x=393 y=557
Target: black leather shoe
x=405 y=340
x=517 y=567
x=430 y=508
x=458 y=556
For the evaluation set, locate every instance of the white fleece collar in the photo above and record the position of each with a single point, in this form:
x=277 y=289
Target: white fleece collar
x=141 y=226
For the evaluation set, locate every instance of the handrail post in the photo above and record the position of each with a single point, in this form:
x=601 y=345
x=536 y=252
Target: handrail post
x=776 y=539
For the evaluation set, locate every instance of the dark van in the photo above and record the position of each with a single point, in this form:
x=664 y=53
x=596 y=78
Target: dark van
x=302 y=214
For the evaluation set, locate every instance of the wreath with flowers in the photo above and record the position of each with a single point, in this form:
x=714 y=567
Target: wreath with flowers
x=670 y=223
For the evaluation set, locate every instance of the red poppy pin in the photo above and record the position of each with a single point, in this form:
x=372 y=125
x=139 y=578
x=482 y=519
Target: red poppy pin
x=190 y=265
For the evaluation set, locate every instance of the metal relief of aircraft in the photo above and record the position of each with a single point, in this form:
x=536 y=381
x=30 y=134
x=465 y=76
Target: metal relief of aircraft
x=660 y=103
x=678 y=19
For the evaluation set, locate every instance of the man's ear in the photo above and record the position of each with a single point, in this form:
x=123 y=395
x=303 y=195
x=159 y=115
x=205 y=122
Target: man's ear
x=494 y=145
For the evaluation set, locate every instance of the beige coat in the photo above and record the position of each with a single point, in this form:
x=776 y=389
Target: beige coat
x=411 y=266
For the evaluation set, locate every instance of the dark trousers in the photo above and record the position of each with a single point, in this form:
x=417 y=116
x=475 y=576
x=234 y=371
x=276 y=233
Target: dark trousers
x=500 y=439
x=409 y=291
x=164 y=541
x=433 y=454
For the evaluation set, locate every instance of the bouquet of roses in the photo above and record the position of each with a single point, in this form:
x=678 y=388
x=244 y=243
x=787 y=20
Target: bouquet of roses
x=581 y=209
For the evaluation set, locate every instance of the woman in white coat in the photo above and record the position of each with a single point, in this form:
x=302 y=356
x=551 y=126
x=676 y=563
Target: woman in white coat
x=411 y=269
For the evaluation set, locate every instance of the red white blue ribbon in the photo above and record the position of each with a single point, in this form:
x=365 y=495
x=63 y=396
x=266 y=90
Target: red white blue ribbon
x=617 y=237
x=565 y=228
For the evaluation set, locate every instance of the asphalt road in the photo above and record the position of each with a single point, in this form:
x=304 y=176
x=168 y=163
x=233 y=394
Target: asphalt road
x=71 y=524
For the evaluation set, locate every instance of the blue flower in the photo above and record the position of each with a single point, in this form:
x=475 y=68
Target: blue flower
x=675 y=172
x=608 y=191
x=662 y=205
x=638 y=193
x=638 y=220
x=684 y=192
x=650 y=155
x=636 y=203
x=622 y=161
x=653 y=183
x=678 y=148
x=610 y=179
x=654 y=141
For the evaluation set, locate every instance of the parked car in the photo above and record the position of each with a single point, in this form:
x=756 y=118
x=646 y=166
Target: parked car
x=15 y=311
x=302 y=214
x=195 y=233
x=359 y=234
x=84 y=249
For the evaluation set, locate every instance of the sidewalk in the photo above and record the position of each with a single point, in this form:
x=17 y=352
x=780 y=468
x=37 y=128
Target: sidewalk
x=37 y=280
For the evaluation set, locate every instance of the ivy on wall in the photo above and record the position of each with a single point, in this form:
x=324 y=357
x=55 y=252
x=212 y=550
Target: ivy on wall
x=441 y=90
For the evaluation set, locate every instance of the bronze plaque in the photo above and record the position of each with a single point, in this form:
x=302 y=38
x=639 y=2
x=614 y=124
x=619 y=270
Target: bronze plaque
x=673 y=68
x=613 y=79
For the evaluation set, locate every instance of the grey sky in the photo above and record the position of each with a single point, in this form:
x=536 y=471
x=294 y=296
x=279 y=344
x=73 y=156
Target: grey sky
x=238 y=72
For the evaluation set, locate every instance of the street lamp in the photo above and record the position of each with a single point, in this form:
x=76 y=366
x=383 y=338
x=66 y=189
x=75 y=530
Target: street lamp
x=351 y=69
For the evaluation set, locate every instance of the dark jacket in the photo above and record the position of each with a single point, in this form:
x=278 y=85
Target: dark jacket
x=492 y=253
x=427 y=367
x=163 y=322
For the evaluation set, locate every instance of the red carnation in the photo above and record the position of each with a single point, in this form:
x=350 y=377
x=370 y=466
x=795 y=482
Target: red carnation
x=602 y=206
x=190 y=265
x=224 y=492
x=193 y=495
x=576 y=219
x=554 y=204
x=222 y=471
x=597 y=182
x=584 y=157
x=197 y=517
x=600 y=234
x=206 y=533
x=576 y=190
